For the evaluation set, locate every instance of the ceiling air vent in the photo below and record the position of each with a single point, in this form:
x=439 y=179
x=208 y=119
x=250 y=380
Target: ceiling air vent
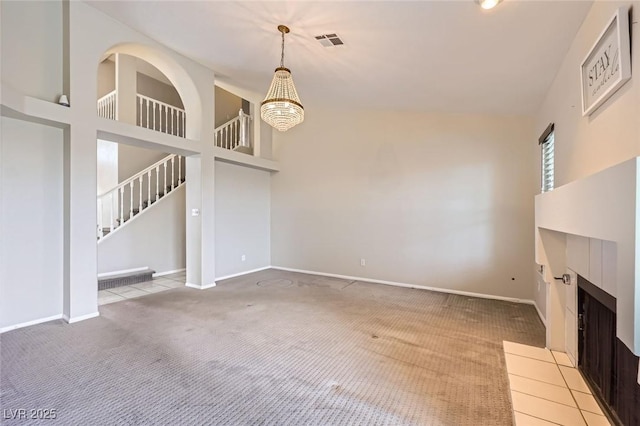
x=329 y=40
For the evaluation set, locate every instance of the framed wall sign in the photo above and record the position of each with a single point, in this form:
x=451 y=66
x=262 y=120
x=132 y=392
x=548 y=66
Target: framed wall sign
x=608 y=65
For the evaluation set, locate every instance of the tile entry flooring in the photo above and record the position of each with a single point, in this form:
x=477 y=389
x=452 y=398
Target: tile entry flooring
x=547 y=390
x=162 y=283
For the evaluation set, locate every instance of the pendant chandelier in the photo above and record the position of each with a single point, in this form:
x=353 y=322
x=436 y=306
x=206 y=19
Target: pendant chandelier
x=281 y=107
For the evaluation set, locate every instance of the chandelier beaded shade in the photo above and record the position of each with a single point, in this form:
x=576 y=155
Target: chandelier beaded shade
x=281 y=107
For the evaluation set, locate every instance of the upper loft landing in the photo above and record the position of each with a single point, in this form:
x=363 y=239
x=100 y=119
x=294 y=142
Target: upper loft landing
x=133 y=91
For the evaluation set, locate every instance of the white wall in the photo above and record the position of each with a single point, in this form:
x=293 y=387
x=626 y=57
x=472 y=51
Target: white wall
x=31 y=217
x=243 y=218
x=434 y=200
x=155 y=239
x=32 y=51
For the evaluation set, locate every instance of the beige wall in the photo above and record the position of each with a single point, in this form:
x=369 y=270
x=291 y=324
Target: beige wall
x=146 y=85
x=106 y=78
x=158 y=90
x=433 y=200
x=133 y=159
x=585 y=146
x=243 y=225
x=611 y=135
x=227 y=106
x=156 y=239
x=32 y=53
x=31 y=222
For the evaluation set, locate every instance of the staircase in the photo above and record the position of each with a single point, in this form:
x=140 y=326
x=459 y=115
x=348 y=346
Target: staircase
x=235 y=134
x=133 y=196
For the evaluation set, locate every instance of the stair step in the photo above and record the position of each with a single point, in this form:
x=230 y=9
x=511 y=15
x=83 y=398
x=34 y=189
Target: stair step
x=128 y=278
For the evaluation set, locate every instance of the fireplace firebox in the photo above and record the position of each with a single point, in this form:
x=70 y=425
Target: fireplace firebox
x=609 y=367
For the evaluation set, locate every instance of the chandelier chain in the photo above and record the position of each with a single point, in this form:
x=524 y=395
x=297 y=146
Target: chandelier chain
x=282 y=54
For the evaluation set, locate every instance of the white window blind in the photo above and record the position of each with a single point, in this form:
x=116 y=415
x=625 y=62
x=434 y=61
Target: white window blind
x=547 y=162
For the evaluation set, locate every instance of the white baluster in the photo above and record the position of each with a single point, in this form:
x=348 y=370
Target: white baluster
x=111 y=212
x=157 y=182
x=148 y=188
x=148 y=113
x=121 y=205
x=166 y=119
x=164 y=189
x=236 y=131
x=155 y=105
x=173 y=114
x=173 y=179
x=140 y=102
x=243 y=130
x=184 y=125
x=179 y=169
x=131 y=200
x=140 y=182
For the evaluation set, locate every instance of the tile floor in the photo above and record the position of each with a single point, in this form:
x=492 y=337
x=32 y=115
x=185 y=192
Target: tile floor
x=547 y=390
x=162 y=283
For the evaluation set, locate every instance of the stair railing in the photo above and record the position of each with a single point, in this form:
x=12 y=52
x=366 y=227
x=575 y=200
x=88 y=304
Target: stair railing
x=129 y=198
x=150 y=114
x=234 y=133
x=107 y=105
x=159 y=116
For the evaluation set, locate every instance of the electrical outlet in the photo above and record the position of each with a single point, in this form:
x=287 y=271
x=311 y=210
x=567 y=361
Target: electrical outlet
x=243 y=257
x=363 y=262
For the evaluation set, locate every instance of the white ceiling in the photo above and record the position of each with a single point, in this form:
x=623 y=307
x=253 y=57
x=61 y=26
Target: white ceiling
x=447 y=56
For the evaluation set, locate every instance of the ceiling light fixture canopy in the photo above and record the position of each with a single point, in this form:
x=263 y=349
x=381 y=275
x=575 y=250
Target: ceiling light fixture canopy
x=281 y=107
x=488 y=4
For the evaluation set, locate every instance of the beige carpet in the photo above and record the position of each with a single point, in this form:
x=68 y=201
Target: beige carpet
x=273 y=348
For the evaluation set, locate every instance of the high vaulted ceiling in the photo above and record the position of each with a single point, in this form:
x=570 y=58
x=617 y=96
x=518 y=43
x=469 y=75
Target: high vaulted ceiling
x=444 y=56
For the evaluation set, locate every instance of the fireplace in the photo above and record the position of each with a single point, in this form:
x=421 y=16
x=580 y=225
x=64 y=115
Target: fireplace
x=606 y=363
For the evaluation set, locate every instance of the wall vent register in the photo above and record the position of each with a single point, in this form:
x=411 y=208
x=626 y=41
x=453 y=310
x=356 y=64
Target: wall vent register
x=329 y=40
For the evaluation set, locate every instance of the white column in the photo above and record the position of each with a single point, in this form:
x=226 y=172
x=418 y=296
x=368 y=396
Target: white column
x=80 y=292
x=200 y=175
x=126 y=88
x=80 y=287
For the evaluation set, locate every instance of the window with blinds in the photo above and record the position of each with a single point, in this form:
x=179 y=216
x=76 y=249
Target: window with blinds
x=547 y=144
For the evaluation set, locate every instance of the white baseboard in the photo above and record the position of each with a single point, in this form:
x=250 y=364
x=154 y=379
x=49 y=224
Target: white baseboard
x=243 y=273
x=81 y=317
x=200 y=287
x=535 y=305
x=29 y=323
x=124 y=271
x=418 y=287
x=175 y=271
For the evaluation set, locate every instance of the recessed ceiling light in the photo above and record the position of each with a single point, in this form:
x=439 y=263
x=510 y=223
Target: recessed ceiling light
x=488 y=4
